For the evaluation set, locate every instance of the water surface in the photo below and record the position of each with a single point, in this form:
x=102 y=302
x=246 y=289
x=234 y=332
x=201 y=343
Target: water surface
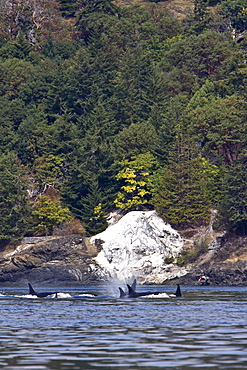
x=91 y=328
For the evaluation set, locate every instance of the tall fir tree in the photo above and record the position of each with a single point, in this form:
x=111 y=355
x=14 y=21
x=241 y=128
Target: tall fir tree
x=180 y=195
x=233 y=208
x=14 y=207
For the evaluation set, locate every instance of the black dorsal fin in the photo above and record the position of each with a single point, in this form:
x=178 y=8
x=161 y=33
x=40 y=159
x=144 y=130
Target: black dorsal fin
x=122 y=293
x=31 y=290
x=131 y=291
x=178 y=291
x=133 y=285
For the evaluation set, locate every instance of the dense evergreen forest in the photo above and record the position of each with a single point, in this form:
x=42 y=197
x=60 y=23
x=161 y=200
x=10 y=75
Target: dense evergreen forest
x=107 y=107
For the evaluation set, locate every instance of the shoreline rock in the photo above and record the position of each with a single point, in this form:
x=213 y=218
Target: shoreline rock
x=225 y=264
x=77 y=260
x=50 y=260
x=140 y=245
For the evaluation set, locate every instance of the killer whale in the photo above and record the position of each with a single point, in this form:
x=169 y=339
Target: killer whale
x=40 y=295
x=122 y=292
x=177 y=293
x=133 y=294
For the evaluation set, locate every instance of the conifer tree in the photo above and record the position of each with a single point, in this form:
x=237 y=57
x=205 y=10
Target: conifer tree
x=217 y=123
x=95 y=17
x=136 y=139
x=14 y=209
x=69 y=7
x=236 y=11
x=93 y=208
x=180 y=194
x=233 y=208
x=200 y=15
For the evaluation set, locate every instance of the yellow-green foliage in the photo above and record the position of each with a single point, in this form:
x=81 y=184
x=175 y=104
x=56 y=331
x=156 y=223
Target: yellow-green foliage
x=136 y=177
x=48 y=169
x=49 y=214
x=97 y=212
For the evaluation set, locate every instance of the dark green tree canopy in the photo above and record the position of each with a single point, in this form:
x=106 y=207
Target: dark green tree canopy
x=107 y=104
x=14 y=208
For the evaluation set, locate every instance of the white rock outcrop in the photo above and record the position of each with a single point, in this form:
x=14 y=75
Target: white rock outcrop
x=139 y=246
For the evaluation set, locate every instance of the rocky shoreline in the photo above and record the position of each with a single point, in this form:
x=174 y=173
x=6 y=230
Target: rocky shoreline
x=225 y=266
x=64 y=260
x=70 y=260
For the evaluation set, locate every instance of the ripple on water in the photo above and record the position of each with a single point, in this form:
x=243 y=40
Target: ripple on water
x=90 y=333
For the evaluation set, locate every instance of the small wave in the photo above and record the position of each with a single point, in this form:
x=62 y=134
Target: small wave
x=57 y=295
x=29 y=296
x=160 y=295
x=87 y=295
x=61 y=295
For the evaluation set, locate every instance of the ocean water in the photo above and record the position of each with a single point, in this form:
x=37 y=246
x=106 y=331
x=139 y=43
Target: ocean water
x=91 y=328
